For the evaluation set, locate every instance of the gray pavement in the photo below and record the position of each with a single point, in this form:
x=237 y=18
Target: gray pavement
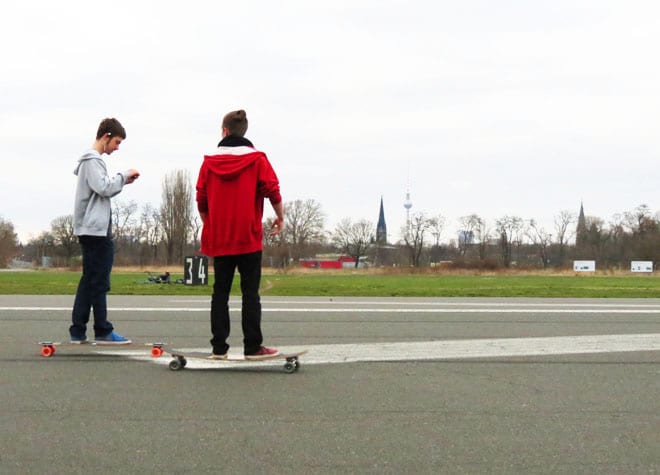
x=552 y=413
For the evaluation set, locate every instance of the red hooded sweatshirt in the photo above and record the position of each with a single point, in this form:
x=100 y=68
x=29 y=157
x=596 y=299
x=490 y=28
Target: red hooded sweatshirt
x=232 y=185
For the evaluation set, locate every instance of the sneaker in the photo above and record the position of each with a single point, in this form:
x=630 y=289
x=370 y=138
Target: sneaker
x=112 y=339
x=215 y=356
x=263 y=353
x=75 y=340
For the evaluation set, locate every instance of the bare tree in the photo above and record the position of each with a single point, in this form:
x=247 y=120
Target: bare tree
x=541 y=239
x=564 y=232
x=61 y=229
x=8 y=242
x=596 y=238
x=482 y=234
x=436 y=226
x=476 y=227
x=644 y=235
x=466 y=233
x=149 y=230
x=509 y=229
x=304 y=221
x=175 y=211
x=123 y=223
x=620 y=241
x=196 y=225
x=414 y=234
x=355 y=239
x=637 y=221
x=43 y=245
x=276 y=250
x=123 y=220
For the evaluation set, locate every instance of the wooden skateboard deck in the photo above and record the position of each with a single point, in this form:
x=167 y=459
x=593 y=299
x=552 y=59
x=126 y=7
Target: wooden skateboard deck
x=179 y=358
x=48 y=347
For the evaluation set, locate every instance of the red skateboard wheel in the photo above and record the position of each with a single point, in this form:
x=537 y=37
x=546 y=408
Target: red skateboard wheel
x=47 y=351
x=156 y=352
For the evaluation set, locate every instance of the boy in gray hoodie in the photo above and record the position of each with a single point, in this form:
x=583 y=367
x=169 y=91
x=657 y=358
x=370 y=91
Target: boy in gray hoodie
x=92 y=224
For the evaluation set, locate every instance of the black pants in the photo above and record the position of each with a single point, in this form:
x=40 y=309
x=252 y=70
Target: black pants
x=98 y=254
x=249 y=268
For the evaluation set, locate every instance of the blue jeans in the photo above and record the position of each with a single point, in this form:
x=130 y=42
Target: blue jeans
x=249 y=267
x=98 y=254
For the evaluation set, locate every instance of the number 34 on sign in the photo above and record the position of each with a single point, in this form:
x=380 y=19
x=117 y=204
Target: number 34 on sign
x=195 y=270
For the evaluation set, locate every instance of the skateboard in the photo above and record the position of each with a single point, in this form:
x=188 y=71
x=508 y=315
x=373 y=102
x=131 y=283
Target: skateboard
x=48 y=347
x=179 y=358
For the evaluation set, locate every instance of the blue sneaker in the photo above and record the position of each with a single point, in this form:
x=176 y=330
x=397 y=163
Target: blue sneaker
x=75 y=340
x=112 y=339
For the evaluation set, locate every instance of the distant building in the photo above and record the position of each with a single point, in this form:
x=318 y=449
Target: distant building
x=329 y=262
x=465 y=238
x=381 y=227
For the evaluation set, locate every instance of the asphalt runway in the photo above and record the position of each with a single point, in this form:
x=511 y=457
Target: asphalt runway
x=388 y=386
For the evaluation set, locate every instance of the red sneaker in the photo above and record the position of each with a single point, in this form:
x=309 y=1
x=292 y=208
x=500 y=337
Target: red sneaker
x=262 y=354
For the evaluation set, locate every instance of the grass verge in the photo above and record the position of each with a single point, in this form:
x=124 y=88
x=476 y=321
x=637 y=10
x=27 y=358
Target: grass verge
x=354 y=284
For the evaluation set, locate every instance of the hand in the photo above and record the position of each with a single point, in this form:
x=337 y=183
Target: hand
x=132 y=176
x=277 y=227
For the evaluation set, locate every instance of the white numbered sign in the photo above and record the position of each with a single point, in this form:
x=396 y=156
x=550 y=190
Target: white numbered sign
x=196 y=270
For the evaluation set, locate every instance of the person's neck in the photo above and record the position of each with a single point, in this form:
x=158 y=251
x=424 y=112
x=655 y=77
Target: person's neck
x=99 y=147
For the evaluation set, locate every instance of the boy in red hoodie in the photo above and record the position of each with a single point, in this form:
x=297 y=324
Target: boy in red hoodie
x=233 y=182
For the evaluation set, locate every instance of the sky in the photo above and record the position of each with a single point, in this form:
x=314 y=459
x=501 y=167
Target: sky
x=514 y=107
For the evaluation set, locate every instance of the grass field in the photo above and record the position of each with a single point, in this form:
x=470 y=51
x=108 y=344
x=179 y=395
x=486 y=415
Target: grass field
x=365 y=284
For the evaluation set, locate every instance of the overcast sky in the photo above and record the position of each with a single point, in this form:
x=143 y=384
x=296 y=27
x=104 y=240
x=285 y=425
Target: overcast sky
x=497 y=108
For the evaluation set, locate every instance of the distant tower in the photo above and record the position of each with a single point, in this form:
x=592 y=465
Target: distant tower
x=407 y=204
x=381 y=227
x=581 y=231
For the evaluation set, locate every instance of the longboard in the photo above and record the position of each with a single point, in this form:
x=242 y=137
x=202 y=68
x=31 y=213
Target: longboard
x=179 y=358
x=48 y=347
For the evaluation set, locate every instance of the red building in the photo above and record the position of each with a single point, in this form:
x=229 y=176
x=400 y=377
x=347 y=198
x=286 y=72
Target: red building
x=340 y=262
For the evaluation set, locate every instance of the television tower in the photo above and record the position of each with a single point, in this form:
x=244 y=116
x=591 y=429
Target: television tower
x=407 y=204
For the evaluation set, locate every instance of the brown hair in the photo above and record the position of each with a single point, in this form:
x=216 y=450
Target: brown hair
x=112 y=127
x=236 y=122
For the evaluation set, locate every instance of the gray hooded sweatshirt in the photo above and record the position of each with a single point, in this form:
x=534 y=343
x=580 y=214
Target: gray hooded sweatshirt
x=91 y=214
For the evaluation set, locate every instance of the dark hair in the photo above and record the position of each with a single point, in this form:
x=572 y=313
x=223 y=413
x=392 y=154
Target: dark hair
x=112 y=127
x=236 y=122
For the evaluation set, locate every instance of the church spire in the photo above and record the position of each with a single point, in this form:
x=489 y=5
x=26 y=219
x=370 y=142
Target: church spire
x=381 y=227
x=581 y=231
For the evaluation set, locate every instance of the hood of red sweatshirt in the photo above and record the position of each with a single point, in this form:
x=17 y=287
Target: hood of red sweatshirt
x=230 y=165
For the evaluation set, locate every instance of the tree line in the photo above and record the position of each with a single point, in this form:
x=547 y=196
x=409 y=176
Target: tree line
x=149 y=236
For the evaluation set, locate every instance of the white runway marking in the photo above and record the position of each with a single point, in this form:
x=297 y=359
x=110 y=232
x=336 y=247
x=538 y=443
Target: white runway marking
x=446 y=303
x=385 y=303
x=442 y=350
x=636 y=310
